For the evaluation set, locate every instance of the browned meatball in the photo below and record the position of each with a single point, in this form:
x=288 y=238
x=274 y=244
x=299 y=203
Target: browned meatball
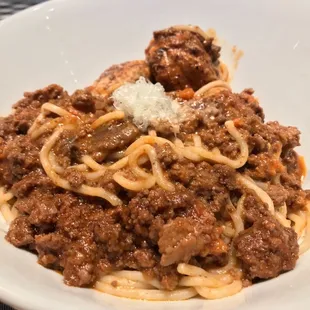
x=117 y=75
x=179 y=59
x=267 y=249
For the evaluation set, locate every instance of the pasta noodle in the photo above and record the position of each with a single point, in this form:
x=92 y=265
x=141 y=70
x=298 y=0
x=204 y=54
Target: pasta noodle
x=216 y=85
x=221 y=292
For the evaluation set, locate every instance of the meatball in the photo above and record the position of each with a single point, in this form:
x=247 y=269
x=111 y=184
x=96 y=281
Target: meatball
x=182 y=59
x=117 y=75
x=267 y=249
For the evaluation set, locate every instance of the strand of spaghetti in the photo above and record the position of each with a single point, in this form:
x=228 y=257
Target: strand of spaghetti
x=282 y=219
x=300 y=222
x=115 y=115
x=151 y=140
x=152 y=295
x=224 y=72
x=283 y=210
x=305 y=245
x=236 y=215
x=80 y=167
x=91 y=163
x=259 y=192
x=95 y=175
x=156 y=167
x=215 y=84
x=54 y=109
x=117 y=281
x=262 y=185
x=152 y=133
x=8 y=215
x=35 y=124
x=204 y=281
x=83 y=189
x=219 y=158
x=137 y=276
x=229 y=231
x=6 y=197
x=238 y=223
x=135 y=186
x=189 y=154
x=54 y=163
x=14 y=212
x=133 y=161
x=197 y=141
x=119 y=164
x=192 y=28
x=194 y=271
x=178 y=143
x=221 y=292
x=52 y=124
x=157 y=170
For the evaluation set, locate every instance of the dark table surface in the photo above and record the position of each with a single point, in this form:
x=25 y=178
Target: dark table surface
x=7 y=8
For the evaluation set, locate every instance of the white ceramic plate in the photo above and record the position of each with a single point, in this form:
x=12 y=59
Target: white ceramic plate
x=71 y=42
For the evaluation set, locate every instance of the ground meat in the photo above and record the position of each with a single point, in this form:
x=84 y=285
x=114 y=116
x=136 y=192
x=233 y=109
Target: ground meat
x=212 y=184
x=166 y=155
x=41 y=206
x=263 y=166
x=182 y=171
x=20 y=157
x=50 y=248
x=254 y=208
x=21 y=233
x=180 y=59
x=278 y=194
x=267 y=249
x=35 y=179
x=27 y=109
x=83 y=101
x=75 y=177
x=117 y=75
x=79 y=263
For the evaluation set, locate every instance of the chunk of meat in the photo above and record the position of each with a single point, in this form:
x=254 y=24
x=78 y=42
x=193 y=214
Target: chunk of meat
x=75 y=177
x=79 y=263
x=111 y=138
x=267 y=249
x=83 y=101
x=188 y=236
x=50 y=248
x=117 y=75
x=21 y=233
x=182 y=59
x=35 y=179
x=20 y=157
x=213 y=183
x=41 y=206
x=278 y=194
x=179 y=241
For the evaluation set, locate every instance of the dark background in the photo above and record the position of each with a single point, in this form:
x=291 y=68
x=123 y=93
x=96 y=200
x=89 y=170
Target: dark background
x=7 y=8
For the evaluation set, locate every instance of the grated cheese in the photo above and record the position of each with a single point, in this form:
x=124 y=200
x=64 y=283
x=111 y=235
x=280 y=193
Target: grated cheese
x=145 y=102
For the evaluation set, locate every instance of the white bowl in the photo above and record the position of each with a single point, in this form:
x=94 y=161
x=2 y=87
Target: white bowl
x=71 y=42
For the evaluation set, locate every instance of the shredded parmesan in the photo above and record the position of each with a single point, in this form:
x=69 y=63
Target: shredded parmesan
x=146 y=102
